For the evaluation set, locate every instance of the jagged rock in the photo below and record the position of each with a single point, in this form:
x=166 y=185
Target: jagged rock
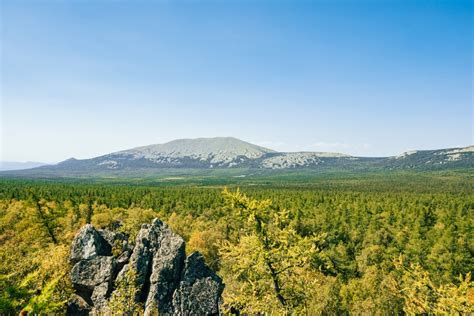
x=168 y=284
x=147 y=243
x=124 y=257
x=88 y=244
x=119 y=245
x=87 y=274
x=114 y=239
x=200 y=289
x=140 y=260
x=77 y=306
x=99 y=295
x=168 y=261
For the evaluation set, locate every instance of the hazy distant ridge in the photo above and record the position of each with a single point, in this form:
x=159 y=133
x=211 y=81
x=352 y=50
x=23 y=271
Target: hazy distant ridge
x=14 y=165
x=229 y=152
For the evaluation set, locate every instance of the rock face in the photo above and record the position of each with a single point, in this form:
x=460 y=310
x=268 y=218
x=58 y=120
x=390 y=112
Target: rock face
x=199 y=290
x=89 y=244
x=168 y=282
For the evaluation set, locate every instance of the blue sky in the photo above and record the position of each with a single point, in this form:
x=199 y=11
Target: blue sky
x=374 y=78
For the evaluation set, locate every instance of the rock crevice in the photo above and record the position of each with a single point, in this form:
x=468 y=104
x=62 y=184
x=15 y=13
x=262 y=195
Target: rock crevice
x=168 y=282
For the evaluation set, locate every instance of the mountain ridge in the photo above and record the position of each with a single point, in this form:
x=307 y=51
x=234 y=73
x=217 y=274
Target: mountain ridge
x=230 y=152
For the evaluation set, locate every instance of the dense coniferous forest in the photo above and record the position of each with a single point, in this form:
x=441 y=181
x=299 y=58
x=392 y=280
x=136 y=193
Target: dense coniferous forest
x=367 y=245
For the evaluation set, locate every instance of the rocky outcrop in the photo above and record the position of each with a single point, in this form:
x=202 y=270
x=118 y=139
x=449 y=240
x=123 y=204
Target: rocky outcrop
x=166 y=268
x=168 y=283
x=199 y=290
x=89 y=244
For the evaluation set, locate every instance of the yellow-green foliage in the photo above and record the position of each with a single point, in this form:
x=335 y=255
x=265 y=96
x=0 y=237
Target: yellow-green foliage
x=268 y=265
x=423 y=296
x=50 y=274
x=332 y=249
x=123 y=298
x=207 y=243
x=35 y=237
x=34 y=268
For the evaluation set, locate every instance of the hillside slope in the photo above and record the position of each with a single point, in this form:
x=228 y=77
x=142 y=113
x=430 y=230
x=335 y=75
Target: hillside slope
x=230 y=153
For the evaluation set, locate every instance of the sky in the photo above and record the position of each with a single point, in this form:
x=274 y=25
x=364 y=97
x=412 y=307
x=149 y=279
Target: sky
x=83 y=78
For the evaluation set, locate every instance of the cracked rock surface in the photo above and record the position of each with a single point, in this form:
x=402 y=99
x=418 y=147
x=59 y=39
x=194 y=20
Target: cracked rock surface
x=168 y=282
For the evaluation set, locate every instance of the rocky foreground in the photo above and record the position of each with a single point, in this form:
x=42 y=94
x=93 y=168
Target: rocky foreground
x=168 y=282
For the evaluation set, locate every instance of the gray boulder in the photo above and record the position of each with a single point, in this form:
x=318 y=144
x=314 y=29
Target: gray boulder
x=168 y=283
x=147 y=246
x=168 y=262
x=114 y=239
x=90 y=273
x=200 y=289
x=100 y=294
x=140 y=260
x=88 y=244
x=78 y=306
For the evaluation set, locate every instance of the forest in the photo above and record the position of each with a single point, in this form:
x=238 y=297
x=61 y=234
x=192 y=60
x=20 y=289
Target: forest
x=334 y=247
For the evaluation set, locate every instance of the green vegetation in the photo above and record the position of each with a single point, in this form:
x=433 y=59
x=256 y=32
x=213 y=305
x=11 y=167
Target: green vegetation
x=324 y=244
x=266 y=260
x=122 y=301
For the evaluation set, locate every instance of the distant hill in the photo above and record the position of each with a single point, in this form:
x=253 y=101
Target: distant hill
x=228 y=152
x=15 y=165
x=433 y=159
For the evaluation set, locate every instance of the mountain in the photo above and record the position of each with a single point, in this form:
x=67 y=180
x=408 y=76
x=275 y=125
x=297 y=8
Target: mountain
x=451 y=157
x=14 y=165
x=218 y=152
x=231 y=153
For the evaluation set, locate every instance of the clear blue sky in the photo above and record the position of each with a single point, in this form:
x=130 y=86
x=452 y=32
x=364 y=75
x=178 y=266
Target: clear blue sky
x=85 y=78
